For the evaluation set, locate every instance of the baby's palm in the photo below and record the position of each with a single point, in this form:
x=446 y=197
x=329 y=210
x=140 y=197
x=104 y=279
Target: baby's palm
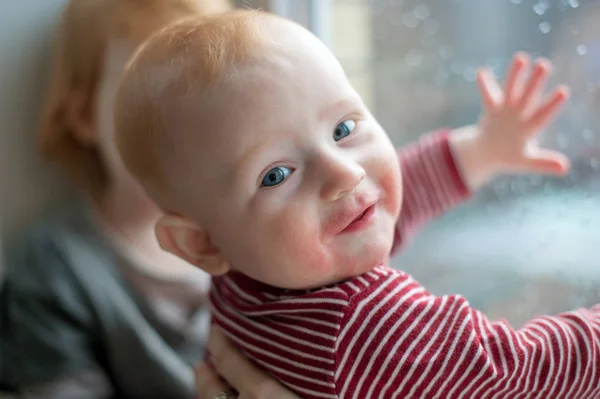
x=513 y=117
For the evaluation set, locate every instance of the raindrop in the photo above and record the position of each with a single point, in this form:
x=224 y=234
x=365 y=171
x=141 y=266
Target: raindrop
x=446 y=52
x=563 y=143
x=422 y=12
x=582 y=49
x=516 y=1
x=574 y=3
x=409 y=20
x=456 y=68
x=539 y=9
x=545 y=27
x=413 y=58
x=469 y=74
x=588 y=135
x=545 y=4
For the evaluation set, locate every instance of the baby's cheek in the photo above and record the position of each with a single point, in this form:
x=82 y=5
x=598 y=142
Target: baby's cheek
x=391 y=184
x=301 y=239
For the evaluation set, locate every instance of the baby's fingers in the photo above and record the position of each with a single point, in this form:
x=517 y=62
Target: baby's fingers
x=547 y=110
x=547 y=162
x=511 y=85
x=488 y=89
x=535 y=84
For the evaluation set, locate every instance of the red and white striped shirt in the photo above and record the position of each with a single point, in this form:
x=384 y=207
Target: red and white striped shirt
x=382 y=335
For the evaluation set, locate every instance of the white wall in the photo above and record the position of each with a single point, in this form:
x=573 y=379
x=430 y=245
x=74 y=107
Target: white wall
x=26 y=185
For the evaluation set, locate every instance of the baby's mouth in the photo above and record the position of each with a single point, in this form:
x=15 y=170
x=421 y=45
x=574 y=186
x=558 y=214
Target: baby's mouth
x=361 y=220
x=360 y=216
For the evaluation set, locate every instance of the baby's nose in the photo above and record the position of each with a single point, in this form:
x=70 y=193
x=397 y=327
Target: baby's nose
x=342 y=179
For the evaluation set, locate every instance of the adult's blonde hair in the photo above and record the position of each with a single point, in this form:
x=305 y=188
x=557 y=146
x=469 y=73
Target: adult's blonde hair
x=84 y=31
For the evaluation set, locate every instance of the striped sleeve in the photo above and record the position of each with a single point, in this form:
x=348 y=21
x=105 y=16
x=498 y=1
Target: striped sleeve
x=398 y=341
x=431 y=181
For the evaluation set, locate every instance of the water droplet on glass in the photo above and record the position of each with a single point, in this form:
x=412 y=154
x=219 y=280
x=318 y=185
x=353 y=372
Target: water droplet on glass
x=446 y=52
x=413 y=58
x=574 y=3
x=545 y=4
x=422 y=12
x=563 y=143
x=431 y=26
x=582 y=49
x=595 y=163
x=456 y=68
x=588 y=135
x=409 y=20
x=545 y=27
x=469 y=74
x=515 y=1
x=539 y=9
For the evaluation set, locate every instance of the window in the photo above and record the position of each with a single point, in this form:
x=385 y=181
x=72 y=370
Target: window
x=524 y=244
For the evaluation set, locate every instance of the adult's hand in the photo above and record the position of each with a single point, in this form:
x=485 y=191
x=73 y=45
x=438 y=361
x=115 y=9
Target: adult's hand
x=238 y=371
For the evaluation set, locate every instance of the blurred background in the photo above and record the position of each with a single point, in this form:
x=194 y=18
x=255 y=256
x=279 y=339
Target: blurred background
x=524 y=245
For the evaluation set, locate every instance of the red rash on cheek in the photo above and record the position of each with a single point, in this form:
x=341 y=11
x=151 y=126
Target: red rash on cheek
x=301 y=240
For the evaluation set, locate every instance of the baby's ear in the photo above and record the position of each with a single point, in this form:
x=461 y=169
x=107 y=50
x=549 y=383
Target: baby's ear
x=190 y=242
x=80 y=117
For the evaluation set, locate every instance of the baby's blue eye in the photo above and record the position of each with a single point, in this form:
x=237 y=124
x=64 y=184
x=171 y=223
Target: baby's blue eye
x=276 y=176
x=343 y=129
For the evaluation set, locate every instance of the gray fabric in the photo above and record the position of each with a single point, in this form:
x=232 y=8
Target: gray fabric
x=91 y=383
x=67 y=308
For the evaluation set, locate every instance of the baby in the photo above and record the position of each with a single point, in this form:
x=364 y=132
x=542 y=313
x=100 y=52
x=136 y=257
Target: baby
x=276 y=179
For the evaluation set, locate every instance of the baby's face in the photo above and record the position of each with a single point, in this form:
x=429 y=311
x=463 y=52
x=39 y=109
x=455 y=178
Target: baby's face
x=298 y=185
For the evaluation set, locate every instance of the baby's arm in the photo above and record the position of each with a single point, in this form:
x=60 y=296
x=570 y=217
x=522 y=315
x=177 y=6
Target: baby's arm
x=403 y=342
x=441 y=169
x=432 y=183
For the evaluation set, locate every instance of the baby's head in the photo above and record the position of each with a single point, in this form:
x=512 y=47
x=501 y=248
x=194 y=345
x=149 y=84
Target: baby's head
x=244 y=128
x=94 y=40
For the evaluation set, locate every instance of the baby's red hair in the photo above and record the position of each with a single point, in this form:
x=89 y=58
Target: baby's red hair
x=186 y=59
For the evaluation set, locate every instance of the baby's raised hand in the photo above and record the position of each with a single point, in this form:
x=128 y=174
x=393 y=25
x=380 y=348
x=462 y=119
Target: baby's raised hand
x=513 y=116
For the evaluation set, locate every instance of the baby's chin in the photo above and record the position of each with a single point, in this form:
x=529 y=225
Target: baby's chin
x=366 y=257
